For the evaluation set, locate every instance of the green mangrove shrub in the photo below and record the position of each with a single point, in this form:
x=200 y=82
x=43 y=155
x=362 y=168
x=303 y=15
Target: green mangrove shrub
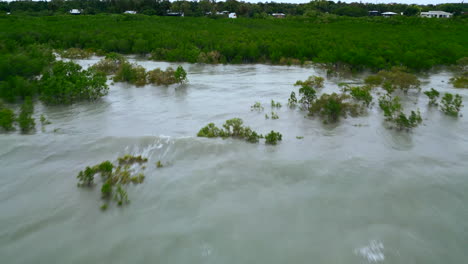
x=308 y=95
x=390 y=105
x=273 y=137
x=451 y=104
x=7 y=118
x=167 y=77
x=131 y=73
x=292 y=101
x=396 y=78
x=433 y=94
x=231 y=128
x=25 y=120
x=330 y=107
x=315 y=82
x=67 y=83
x=361 y=94
x=110 y=64
x=256 y=107
x=460 y=78
x=275 y=104
x=180 y=75
x=393 y=112
x=114 y=176
x=402 y=121
x=274 y=116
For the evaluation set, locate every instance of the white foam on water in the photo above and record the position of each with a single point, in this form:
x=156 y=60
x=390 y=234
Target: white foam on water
x=372 y=252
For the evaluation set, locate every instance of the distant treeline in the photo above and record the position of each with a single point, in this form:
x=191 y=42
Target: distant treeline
x=204 y=7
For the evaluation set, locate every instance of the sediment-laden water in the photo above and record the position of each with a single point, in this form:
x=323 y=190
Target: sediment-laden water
x=356 y=192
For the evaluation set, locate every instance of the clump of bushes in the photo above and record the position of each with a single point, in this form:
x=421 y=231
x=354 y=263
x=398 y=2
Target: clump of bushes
x=110 y=64
x=138 y=76
x=7 y=118
x=451 y=104
x=361 y=94
x=393 y=112
x=25 y=120
x=315 y=82
x=396 y=78
x=212 y=57
x=460 y=80
x=131 y=73
x=256 y=107
x=330 y=107
x=231 y=128
x=75 y=53
x=273 y=137
x=67 y=83
x=433 y=94
x=114 y=177
x=292 y=101
x=275 y=104
x=167 y=77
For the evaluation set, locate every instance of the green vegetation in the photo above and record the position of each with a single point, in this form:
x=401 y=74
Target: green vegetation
x=159 y=164
x=273 y=137
x=110 y=64
x=315 y=82
x=131 y=73
x=274 y=115
x=137 y=75
x=292 y=101
x=275 y=104
x=7 y=118
x=114 y=177
x=67 y=83
x=433 y=95
x=231 y=128
x=460 y=80
x=393 y=112
x=451 y=104
x=330 y=107
x=361 y=94
x=256 y=107
x=25 y=120
x=328 y=39
x=396 y=78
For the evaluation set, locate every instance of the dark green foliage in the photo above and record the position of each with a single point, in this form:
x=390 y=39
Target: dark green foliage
x=361 y=94
x=256 y=107
x=274 y=115
x=396 y=78
x=180 y=75
x=17 y=87
x=460 y=78
x=275 y=104
x=131 y=73
x=292 y=101
x=451 y=104
x=404 y=122
x=330 y=107
x=25 y=120
x=377 y=43
x=7 y=118
x=273 y=137
x=232 y=128
x=308 y=95
x=315 y=82
x=210 y=131
x=433 y=95
x=110 y=64
x=67 y=83
x=113 y=177
x=390 y=106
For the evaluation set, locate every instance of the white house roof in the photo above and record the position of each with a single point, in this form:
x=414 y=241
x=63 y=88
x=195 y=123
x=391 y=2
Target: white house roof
x=389 y=13
x=75 y=11
x=436 y=13
x=130 y=12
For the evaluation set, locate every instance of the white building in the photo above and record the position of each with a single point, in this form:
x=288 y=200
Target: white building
x=278 y=15
x=437 y=14
x=130 y=12
x=75 y=12
x=232 y=15
x=389 y=14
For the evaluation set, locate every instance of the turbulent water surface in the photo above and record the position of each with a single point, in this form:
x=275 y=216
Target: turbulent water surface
x=355 y=192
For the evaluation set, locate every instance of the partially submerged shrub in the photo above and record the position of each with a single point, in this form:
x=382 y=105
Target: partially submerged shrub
x=330 y=107
x=275 y=104
x=433 y=95
x=167 y=77
x=315 y=82
x=7 y=118
x=396 y=78
x=361 y=94
x=273 y=137
x=393 y=112
x=231 y=128
x=212 y=57
x=451 y=105
x=114 y=177
x=67 y=83
x=110 y=64
x=131 y=73
x=274 y=115
x=25 y=120
x=256 y=107
x=292 y=101
x=460 y=78
x=75 y=53
x=180 y=75
x=308 y=95
x=390 y=105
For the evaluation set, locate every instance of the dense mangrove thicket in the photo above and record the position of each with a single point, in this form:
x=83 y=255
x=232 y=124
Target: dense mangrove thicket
x=369 y=42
